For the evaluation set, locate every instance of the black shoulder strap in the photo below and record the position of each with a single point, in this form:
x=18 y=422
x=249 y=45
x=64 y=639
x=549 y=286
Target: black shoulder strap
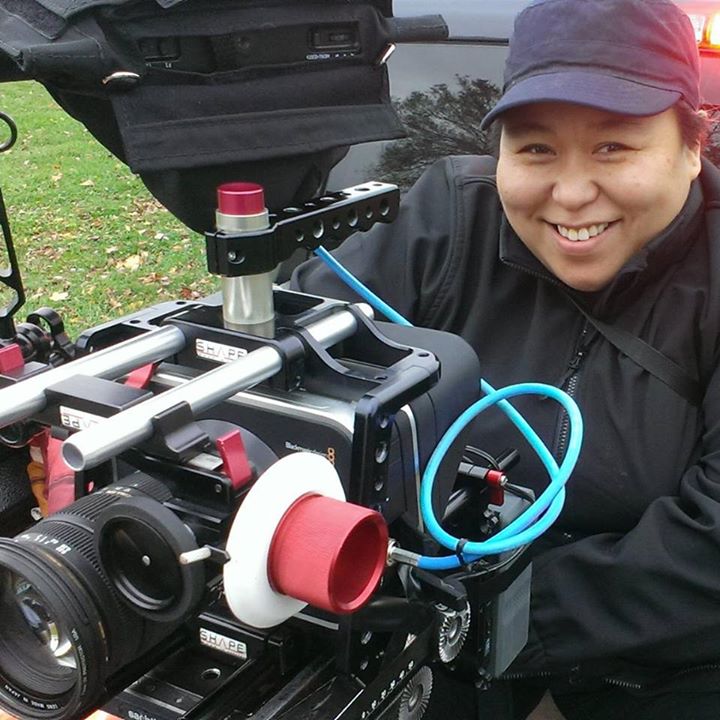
x=649 y=359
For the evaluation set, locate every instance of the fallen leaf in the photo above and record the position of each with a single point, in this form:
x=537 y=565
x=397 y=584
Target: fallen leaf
x=187 y=293
x=132 y=262
x=58 y=296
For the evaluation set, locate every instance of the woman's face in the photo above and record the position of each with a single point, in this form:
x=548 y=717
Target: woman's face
x=586 y=189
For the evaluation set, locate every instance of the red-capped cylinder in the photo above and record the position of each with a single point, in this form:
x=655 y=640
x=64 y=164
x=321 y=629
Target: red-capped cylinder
x=241 y=198
x=247 y=299
x=328 y=553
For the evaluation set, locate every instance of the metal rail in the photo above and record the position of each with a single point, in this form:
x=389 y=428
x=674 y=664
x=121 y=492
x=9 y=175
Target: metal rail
x=27 y=397
x=109 y=437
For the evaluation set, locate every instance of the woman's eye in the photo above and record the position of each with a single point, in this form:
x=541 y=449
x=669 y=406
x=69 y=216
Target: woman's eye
x=611 y=148
x=536 y=149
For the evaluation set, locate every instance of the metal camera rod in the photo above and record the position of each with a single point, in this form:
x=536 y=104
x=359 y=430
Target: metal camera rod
x=93 y=446
x=27 y=397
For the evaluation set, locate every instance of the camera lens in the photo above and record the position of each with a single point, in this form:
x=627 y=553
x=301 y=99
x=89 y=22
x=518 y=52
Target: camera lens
x=64 y=629
x=35 y=632
x=49 y=647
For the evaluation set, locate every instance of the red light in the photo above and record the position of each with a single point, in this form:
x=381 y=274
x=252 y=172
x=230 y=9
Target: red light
x=707 y=30
x=712 y=31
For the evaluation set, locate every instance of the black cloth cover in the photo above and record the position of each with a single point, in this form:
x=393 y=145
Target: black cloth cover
x=193 y=93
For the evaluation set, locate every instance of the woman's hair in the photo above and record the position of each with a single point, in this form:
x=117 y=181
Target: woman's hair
x=694 y=124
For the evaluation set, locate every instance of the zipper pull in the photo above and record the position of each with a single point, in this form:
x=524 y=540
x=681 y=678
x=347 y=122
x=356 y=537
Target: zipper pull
x=575 y=362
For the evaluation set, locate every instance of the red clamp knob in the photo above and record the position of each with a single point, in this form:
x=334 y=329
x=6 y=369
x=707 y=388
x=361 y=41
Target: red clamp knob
x=496 y=481
x=241 y=198
x=11 y=358
x=235 y=460
x=140 y=377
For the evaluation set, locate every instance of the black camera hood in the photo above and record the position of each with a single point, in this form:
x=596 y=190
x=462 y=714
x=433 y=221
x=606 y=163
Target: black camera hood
x=193 y=93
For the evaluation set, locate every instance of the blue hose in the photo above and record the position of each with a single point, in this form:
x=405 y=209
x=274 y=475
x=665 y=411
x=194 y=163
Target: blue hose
x=362 y=290
x=536 y=519
x=539 y=516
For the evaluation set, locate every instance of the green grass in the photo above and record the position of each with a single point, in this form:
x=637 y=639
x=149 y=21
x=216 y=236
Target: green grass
x=91 y=241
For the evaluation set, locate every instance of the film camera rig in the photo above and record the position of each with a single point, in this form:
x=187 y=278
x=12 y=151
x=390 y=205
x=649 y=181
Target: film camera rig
x=213 y=602
x=247 y=523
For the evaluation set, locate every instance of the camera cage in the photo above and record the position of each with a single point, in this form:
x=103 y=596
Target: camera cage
x=198 y=452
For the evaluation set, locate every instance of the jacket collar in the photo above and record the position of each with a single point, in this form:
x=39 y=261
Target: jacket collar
x=667 y=248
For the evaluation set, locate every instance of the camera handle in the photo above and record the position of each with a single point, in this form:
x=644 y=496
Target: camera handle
x=250 y=243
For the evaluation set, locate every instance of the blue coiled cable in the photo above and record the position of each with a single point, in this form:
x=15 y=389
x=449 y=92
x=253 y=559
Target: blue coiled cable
x=536 y=519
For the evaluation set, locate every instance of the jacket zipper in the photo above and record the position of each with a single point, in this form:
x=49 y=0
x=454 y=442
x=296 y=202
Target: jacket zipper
x=569 y=674
x=569 y=385
x=627 y=684
x=624 y=684
x=540 y=674
x=697 y=668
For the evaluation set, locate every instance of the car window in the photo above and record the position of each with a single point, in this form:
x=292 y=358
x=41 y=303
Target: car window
x=441 y=93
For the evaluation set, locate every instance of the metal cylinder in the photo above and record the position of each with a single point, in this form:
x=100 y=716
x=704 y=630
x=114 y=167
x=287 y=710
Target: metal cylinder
x=90 y=447
x=20 y=401
x=248 y=304
x=247 y=299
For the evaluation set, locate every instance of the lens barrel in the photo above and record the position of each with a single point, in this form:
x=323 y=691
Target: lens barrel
x=139 y=543
x=65 y=629
x=53 y=641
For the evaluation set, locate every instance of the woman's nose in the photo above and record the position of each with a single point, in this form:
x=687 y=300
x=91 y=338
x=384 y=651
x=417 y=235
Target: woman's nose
x=574 y=186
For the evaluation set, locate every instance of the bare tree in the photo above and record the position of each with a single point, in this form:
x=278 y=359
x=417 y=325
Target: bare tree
x=439 y=122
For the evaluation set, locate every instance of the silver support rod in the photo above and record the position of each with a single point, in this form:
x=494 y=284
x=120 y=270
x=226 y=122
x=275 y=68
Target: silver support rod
x=27 y=397
x=109 y=437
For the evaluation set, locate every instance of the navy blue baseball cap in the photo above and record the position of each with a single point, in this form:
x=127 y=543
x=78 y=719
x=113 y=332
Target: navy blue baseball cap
x=632 y=57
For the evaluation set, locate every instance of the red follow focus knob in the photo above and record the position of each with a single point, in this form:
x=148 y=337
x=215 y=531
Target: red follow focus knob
x=328 y=553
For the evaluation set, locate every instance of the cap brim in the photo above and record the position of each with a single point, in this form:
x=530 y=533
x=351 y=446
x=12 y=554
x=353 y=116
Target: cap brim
x=603 y=92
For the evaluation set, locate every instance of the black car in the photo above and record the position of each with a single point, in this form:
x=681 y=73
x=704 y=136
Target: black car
x=442 y=90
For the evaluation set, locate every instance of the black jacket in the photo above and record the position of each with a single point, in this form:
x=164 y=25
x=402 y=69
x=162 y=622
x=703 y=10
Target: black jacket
x=629 y=584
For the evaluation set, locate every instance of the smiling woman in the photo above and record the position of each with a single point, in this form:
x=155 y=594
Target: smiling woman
x=588 y=256
x=586 y=189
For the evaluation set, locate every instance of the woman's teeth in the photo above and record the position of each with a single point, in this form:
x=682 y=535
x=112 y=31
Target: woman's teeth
x=583 y=233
